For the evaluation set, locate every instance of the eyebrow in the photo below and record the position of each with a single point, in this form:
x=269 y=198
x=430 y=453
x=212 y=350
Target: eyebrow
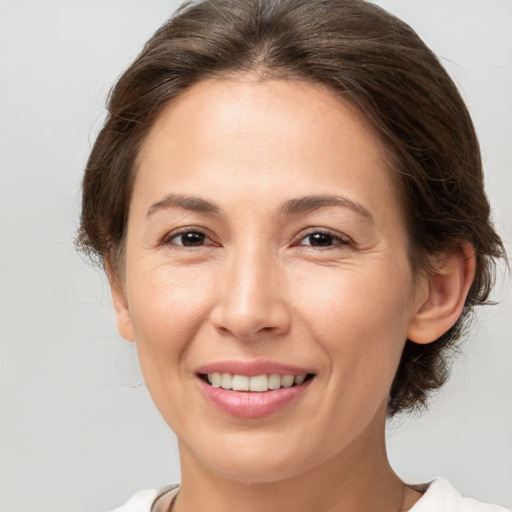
x=291 y=207
x=314 y=202
x=193 y=203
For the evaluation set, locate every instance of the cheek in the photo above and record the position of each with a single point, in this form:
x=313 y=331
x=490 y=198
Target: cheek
x=167 y=308
x=359 y=318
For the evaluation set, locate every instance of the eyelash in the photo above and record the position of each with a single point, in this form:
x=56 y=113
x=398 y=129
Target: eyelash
x=336 y=239
x=167 y=240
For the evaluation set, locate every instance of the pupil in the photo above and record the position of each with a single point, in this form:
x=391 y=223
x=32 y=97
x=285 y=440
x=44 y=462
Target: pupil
x=192 y=239
x=320 y=239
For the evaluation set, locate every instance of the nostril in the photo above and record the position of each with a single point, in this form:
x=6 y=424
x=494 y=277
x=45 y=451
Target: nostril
x=248 y=319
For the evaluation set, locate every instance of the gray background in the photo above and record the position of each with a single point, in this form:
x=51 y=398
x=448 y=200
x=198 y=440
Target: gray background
x=77 y=429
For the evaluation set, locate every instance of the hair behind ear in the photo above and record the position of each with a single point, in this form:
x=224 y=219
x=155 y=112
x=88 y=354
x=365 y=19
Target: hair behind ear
x=440 y=320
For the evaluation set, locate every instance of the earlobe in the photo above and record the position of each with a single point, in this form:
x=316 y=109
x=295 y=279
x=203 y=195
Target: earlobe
x=448 y=287
x=123 y=318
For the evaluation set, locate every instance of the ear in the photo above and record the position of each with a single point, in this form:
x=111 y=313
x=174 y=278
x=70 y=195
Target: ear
x=448 y=287
x=123 y=319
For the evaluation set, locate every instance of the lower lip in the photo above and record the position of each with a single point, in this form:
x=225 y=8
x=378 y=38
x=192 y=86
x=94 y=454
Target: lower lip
x=247 y=404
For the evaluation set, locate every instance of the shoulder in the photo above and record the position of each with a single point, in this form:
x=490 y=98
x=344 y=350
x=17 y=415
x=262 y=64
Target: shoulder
x=143 y=501
x=441 y=496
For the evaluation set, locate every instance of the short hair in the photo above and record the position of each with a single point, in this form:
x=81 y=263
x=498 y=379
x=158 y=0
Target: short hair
x=367 y=56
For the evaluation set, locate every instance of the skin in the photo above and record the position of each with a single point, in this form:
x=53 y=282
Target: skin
x=256 y=287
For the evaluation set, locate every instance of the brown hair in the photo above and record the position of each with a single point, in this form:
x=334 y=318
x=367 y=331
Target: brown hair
x=359 y=51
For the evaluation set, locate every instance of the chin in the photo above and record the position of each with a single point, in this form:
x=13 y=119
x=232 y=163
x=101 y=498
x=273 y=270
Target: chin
x=258 y=472
x=257 y=459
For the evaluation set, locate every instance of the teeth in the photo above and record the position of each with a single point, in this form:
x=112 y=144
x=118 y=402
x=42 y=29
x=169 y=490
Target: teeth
x=259 y=383
x=274 y=381
x=287 y=381
x=215 y=379
x=226 y=381
x=299 y=379
x=240 y=382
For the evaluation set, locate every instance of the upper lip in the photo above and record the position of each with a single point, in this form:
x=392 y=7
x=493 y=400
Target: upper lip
x=252 y=368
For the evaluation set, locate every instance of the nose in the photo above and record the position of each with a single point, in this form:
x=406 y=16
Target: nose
x=251 y=296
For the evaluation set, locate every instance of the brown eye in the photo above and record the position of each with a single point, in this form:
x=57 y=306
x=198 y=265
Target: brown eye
x=189 y=239
x=322 y=239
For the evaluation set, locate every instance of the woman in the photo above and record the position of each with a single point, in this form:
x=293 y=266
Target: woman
x=287 y=198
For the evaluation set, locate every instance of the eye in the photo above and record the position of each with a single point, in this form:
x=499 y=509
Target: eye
x=188 y=238
x=323 y=239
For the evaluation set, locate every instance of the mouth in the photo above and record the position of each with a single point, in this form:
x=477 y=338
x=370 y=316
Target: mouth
x=254 y=384
x=249 y=392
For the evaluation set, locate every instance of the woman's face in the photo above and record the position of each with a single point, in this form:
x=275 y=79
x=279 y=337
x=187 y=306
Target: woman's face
x=265 y=239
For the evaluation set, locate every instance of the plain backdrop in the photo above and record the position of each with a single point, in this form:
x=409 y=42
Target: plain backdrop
x=78 y=431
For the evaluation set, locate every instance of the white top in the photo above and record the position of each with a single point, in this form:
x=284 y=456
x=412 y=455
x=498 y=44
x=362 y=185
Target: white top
x=440 y=496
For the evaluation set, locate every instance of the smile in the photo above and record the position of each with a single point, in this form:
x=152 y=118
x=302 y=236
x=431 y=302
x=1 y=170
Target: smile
x=257 y=383
x=253 y=396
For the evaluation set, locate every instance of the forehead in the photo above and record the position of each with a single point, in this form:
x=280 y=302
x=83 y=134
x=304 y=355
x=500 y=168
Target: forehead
x=264 y=136
x=271 y=111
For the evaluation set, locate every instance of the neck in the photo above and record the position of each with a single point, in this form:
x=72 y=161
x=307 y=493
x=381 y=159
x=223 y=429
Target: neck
x=358 y=478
